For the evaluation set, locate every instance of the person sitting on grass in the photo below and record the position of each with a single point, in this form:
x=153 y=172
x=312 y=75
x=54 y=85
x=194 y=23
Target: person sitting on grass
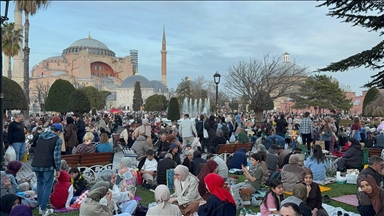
x=148 y=168
x=299 y=197
x=370 y=197
x=318 y=164
x=273 y=198
x=163 y=207
x=91 y=205
x=80 y=184
x=314 y=199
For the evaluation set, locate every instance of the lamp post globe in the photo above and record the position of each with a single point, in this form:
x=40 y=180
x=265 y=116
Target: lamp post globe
x=216 y=79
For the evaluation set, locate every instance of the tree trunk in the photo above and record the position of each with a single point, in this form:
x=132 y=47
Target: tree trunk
x=26 y=67
x=9 y=67
x=258 y=115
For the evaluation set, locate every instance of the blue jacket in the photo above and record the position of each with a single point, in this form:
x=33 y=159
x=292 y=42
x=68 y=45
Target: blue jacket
x=239 y=158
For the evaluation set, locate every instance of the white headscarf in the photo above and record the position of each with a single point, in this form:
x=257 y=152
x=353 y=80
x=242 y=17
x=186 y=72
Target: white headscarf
x=162 y=195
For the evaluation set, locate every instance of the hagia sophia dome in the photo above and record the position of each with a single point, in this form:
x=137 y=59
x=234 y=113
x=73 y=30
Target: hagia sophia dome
x=92 y=45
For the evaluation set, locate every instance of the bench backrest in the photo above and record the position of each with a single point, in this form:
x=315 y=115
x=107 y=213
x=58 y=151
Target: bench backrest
x=72 y=160
x=247 y=146
x=226 y=148
x=374 y=151
x=88 y=160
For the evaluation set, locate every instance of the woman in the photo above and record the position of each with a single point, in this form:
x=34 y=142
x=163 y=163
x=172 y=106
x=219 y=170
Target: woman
x=221 y=202
x=186 y=194
x=187 y=160
x=121 y=199
x=91 y=205
x=272 y=199
x=211 y=127
x=127 y=175
x=86 y=147
x=318 y=164
x=290 y=174
x=352 y=157
x=70 y=135
x=218 y=139
x=263 y=164
x=13 y=168
x=210 y=167
x=104 y=144
x=314 y=199
x=370 y=140
x=356 y=129
x=370 y=196
x=6 y=184
x=163 y=207
x=325 y=134
x=8 y=202
x=145 y=131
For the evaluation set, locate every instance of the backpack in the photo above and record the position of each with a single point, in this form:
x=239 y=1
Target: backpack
x=225 y=131
x=274 y=175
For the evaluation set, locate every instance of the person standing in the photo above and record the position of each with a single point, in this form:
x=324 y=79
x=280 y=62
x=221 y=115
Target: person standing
x=80 y=127
x=47 y=159
x=16 y=136
x=305 y=131
x=187 y=129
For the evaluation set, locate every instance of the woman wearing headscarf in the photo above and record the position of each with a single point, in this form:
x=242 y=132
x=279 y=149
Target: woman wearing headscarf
x=370 y=197
x=21 y=210
x=91 y=205
x=127 y=177
x=291 y=173
x=221 y=202
x=70 y=135
x=187 y=160
x=8 y=202
x=6 y=184
x=145 y=131
x=13 y=168
x=186 y=194
x=210 y=167
x=163 y=207
x=123 y=199
x=352 y=157
x=218 y=139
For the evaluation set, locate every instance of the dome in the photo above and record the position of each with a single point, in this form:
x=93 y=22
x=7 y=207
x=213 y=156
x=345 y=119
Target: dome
x=92 y=46
x=89 y=42
x=158 y=86
x=111 y=97
x=130 y=82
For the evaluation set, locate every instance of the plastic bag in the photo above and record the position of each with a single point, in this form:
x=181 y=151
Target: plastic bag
x=232 y=139
x=196 y=143
x=205 y=133
x=300 y=140
x=10 y=154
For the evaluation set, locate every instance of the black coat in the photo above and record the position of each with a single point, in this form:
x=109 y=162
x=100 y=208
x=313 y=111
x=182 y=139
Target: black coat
x=162 y=167
x=194 y=164
x=216 y=207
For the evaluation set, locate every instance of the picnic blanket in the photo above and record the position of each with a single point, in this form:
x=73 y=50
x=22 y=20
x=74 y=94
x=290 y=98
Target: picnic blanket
x=322 y=189
x=348 y=199
x=328 y=180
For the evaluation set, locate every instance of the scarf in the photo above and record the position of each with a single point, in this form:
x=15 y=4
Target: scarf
x=183 y=171
x=126 y=162
x=145 y=128
x=162 y=195
x=7 y=202
x=13 y=167
x=215 y=184
x=99 y=190
x=375 y=194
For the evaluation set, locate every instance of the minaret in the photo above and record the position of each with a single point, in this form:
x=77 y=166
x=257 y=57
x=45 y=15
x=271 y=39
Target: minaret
x=164 y=60
x=18 y=68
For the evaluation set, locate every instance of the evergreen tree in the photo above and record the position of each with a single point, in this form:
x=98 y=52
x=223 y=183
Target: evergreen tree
x=369 y=97
x=156 y=103
x=323 y=92
x=137 y=97
x=173 y=110
x=79 y=102
x=366 y=14
x=58 y=96
x=184 y=90
x=14 y=97
x=96 y=97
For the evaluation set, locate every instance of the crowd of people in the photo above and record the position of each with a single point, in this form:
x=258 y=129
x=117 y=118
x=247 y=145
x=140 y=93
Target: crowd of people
x=189 y=148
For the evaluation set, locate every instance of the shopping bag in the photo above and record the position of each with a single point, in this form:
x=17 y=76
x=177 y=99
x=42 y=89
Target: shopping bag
x=25 y=157
x=196 y=143
x=10 y=154
x=232 y=139
x=205 y=133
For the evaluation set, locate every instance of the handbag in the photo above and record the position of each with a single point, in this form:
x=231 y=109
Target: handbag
x=205 y=133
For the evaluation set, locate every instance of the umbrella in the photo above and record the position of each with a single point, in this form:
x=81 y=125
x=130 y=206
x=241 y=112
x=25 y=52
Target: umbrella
x=115 y=110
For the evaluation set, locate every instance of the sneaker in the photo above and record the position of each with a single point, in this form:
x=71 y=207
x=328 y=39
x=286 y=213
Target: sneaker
x=40 y=211
x=48 y=212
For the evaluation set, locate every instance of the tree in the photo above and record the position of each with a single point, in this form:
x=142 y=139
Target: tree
x=42 y=93
x=369 y=97
x=263 y=81
x=173 y=110
x=79 y=102
x=14 y=97
x=29 y=7
x=137 y=97
x=184 y=90
x=96 y=97
x=376 y=107
x=323 y=92
x=156 y=103
x=366 y=14
x=58 y=96
x=11 y=39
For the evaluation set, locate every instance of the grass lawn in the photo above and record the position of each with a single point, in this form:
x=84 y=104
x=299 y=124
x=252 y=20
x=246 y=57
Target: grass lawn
x=337 y=190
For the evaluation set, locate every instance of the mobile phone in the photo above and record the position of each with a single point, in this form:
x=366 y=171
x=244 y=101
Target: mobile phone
x=29 y=177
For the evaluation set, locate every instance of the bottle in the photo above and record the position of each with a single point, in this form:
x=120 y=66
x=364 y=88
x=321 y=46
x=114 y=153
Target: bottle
x=242 y=212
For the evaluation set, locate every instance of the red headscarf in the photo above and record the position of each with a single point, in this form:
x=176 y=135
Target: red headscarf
x=375 y=194
x=215 y=185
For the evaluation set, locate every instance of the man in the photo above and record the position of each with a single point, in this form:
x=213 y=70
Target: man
x=163 y=146
x=375 y=169
x=281 y=126
x=148 y=168
x=243 y=136
x=290 y=209
x=16 y=136
x=80 y=127
x=272 y=158
x=47 y=159
x=306 y=131
x=187 y=129
x=200 y=131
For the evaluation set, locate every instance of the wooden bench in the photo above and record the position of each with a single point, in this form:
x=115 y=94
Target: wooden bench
x=231 y=148
x=375 y=151
x=247 y=146
x=72 y=160
x=88 y=160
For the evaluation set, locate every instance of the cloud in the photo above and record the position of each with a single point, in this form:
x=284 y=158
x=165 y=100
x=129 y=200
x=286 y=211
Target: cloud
x=203 y=37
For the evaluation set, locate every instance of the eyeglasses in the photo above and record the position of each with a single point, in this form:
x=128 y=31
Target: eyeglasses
x=176 y=174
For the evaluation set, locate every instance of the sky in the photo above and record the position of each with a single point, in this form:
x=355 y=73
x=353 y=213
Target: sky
x=203 y=37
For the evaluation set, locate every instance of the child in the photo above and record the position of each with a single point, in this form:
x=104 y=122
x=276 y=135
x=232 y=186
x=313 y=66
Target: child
x=62 y=191
x=272 y=199
x=80 y=184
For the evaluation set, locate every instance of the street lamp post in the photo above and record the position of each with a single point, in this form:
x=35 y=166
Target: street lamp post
x=3 y=18
x=216 y=79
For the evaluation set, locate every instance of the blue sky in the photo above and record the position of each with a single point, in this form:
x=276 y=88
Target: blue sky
x=202 y=37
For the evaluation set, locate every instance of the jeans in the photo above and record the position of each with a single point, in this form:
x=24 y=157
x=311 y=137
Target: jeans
x=20 y=148
x=44 y=187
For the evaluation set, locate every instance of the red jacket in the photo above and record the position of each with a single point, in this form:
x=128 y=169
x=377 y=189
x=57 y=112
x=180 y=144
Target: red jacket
x=60 y=194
